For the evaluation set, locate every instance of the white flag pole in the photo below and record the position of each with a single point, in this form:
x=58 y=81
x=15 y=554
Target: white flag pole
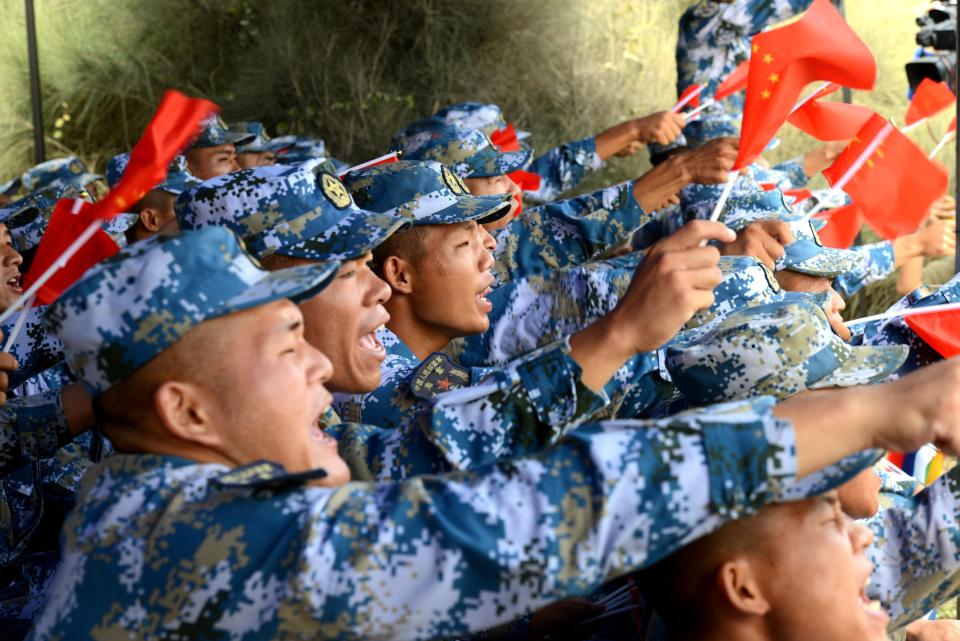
x=686 y=99
x=861 y=160
x=919 y=311
x=941 y=144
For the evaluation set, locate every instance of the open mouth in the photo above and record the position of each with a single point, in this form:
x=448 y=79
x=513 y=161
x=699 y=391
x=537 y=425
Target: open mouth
x=321 y=437
x=13 y=283
x=483 y=302
x=872 y=607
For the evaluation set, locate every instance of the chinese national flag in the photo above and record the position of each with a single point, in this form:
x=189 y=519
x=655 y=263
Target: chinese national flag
x=896 y=185
x=819 y=46
x=736 y=81
x=689 y=98
x=506 y=140
x=176 y=122
x=953 y=125
x=825 y=120
x=929 y=99
x=940 y=330
x=799 y=194
x=843 y=225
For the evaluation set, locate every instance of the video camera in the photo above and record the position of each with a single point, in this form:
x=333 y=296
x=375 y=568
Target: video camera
x=938 y=37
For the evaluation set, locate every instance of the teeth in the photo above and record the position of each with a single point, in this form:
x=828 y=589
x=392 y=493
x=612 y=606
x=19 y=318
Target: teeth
x=866 y=582
x=874 y=606
x=381 y=328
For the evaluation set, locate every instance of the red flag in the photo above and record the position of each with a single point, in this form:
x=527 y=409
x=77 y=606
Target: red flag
x=940 y=330
x=929 y=99
x=736 y=81
x=896 y=184
x=819 y=46
x=506 y=139
x=843 y=225
x=689 y=98
x=825 y=120
x=953 y=125
x=800 y=195
x=177 y=121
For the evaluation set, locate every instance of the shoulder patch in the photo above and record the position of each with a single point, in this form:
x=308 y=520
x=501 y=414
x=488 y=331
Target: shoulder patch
x=265 y=475
x=438 y=374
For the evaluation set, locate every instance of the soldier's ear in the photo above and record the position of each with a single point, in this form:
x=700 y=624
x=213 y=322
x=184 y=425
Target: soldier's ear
x=151 y=218
x=740 y=587
x=398 y=273
x=188 y=412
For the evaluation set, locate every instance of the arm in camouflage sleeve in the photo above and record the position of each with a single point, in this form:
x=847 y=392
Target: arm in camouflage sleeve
x=519 y=409
x=432 y=557
x=875 y=262
x=567 y=233
x=916 y=551
x=32 y=428
x=34 y=348
x=562 y=168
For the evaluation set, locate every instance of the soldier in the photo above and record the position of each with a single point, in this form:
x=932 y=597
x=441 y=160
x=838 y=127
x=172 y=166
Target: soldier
x=233 y=519
x=214 y=151
x=562 y=168
x=262 y=150
x=155 y=210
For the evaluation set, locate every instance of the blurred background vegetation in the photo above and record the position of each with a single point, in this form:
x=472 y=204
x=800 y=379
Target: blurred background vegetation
x=352 y=72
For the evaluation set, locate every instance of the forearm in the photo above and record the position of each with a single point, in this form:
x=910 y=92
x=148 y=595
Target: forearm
x=906 y=248
x=599 y=350
x=910 y=277
x=612 y=140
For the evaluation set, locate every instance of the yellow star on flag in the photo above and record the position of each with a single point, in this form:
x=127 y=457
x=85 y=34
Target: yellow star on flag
x=768 y=58
x=765 y=94
x=774 y=78
x=869 y=164
x=756 y=48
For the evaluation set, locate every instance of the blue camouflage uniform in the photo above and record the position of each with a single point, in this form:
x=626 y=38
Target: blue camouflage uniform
x=714 y=38
x=160 y=545
x=552 y=236
x=561 y=169
x=58 y=172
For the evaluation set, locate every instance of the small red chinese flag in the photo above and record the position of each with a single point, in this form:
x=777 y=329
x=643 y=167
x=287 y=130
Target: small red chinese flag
x=689 y=98
x=736 y=81
x=940 y=330
x=896 y=185
x=953 y=125
x=819 y=46
x=799 y=194
x=843 y=225
x=929 y=99
x=825 y=120
x=506 y=139
x=177 y=121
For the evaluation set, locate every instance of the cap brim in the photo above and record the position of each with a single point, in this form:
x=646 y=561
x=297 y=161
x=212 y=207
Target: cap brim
x=120 y=223
x=866 y=365
x=806 y=257
x=832 y=476
x=296 y=283
x=353 y=237
x=483 y=209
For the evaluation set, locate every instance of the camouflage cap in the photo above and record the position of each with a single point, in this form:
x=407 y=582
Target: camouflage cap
x=806 y=255
x=129 y=308
x=425 y=191
x=178 y=177
x=215 y=133
x=27 y=218
x=747 y=282
x=713 y=124
x=470 y=153
x=11 y=187
x=297 y=150
x=261 y=142
x=67 y=172
x=777 y=349
x=293 y=210
x=476 y=115
x=415 y=135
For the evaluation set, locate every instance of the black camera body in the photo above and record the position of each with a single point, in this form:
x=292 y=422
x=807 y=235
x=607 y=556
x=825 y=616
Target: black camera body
x=938 y=36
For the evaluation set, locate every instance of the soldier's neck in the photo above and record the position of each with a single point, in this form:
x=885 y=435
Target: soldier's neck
x=420 y=338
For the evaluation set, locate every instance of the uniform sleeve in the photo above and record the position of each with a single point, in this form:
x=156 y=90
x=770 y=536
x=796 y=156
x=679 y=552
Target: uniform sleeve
x=563 y=168
x=31 y=428
x=874 y=263
x=464 y=552
x=35 y=349
x=749 y=17
x=916 y=551
x=519 y=409
x=532 y=312
x=567 y=233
